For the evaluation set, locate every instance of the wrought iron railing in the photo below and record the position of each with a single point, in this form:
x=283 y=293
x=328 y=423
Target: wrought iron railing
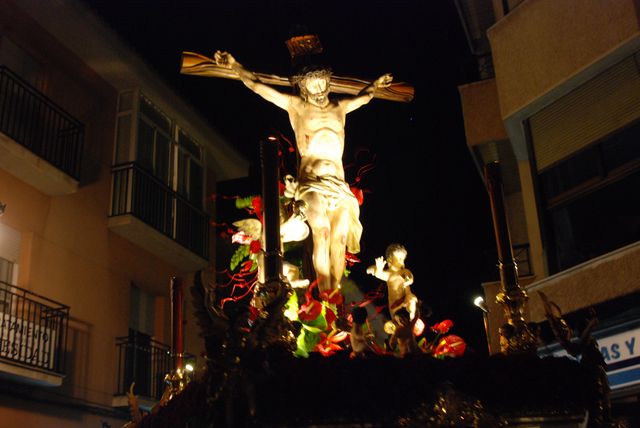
x=521 y=254
x=33 y=329
x=138 y=192
x=146 y=362
x=37 y=123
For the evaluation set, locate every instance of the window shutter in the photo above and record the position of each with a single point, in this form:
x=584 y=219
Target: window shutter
x=589 y=113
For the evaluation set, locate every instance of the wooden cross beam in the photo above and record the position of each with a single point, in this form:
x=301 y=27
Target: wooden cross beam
x=200 y=65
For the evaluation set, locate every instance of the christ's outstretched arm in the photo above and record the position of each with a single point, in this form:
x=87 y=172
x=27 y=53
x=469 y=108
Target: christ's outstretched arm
x=251 y=81
x=366 y=94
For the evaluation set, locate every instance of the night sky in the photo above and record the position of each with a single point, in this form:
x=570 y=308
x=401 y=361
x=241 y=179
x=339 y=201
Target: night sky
x=424 y=192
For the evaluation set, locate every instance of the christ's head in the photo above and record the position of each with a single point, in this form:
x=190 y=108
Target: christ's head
x=315 y=86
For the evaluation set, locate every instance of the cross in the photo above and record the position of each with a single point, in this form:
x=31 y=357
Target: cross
x=201 y=65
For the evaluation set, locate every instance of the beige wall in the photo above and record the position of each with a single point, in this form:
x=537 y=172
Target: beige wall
x=542 y=43
x=531 y=220
x=481 y=111
x=67 y=251
x=29 y=413
x=596 y=281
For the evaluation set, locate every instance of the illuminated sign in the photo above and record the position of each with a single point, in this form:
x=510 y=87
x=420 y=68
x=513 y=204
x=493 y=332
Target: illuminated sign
x=621 y=352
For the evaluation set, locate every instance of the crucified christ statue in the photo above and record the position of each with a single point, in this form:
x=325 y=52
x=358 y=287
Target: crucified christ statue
x=318 y=122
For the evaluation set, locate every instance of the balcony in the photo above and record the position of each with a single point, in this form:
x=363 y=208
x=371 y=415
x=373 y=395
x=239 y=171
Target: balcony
x=150 y=214
x=33 y=333
x=145 y=362
x=40 y=143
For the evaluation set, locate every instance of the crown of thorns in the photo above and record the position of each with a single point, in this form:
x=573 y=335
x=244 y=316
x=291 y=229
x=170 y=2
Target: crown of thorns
x=315 y=73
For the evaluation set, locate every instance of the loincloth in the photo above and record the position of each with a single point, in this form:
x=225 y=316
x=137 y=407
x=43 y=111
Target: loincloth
x=335 y=192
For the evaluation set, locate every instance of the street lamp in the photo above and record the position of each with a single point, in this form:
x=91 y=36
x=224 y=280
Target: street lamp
x=480 y=303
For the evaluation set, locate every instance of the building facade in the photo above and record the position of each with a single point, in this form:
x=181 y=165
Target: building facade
x=562 y=115
x=104 y=178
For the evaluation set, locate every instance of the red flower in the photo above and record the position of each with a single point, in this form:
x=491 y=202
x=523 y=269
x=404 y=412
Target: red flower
x=246 y=266
x=256 y=203
x=312 y=309
x=328 y=345
x=330 y=316
x=332 y=296
x=442 y=327
x=254 y=247
x=358 y=193
x=351 y=258
x=450 y=346
x=281 y=188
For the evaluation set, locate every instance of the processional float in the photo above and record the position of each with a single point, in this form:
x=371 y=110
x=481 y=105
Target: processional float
x=251 y=376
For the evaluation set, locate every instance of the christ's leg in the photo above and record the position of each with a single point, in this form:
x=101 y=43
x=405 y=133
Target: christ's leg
x=318 y=220
x=338 y=241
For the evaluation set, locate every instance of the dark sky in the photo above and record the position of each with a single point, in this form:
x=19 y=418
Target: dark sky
x=425 y=191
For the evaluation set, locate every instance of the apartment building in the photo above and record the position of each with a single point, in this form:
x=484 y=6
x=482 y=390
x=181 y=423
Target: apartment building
x=104 y=177
x=560 y=110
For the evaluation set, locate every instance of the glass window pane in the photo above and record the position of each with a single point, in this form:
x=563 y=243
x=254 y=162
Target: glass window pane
x=595 y=224
x=189 y=144
x=123 y=141
x=195 y=185
x=145 y=153
x=6 y=271
x=571 y=173
x=622 y=148
x=162 y=157
x=183 y=173
x=154 y=115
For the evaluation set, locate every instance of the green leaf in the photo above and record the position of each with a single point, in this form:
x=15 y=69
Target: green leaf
x=316 y=325
x=247 y=202
x=241 y=253
x=306 y=342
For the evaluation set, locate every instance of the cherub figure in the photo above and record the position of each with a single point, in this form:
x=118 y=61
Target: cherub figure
x=398 y=279
x=403 y=336
x=360 y=341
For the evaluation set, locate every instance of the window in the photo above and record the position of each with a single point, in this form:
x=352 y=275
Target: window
x=189 y=171
x=10 y=240
x=141 y=311
x=156 y=143
x=591 y=201
x=7 y=270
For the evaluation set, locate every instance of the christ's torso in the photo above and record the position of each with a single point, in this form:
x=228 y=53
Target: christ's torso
x=319 y=137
